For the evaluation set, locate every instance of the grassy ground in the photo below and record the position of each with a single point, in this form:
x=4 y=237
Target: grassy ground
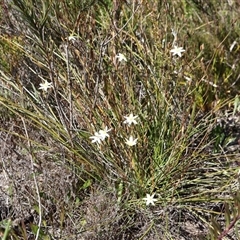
x=105 y=104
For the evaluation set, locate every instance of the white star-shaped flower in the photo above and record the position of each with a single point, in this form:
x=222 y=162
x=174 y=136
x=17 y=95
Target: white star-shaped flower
x=130 y=119
x=150 y=199
x=72 y=38
x=131 y=142
x=104 y=133
x=45 y=86
x=100 y=136
x=121 y=57
x=177 y=51
x=96 y=138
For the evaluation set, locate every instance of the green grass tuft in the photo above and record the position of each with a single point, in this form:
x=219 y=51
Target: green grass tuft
x=180 y=153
